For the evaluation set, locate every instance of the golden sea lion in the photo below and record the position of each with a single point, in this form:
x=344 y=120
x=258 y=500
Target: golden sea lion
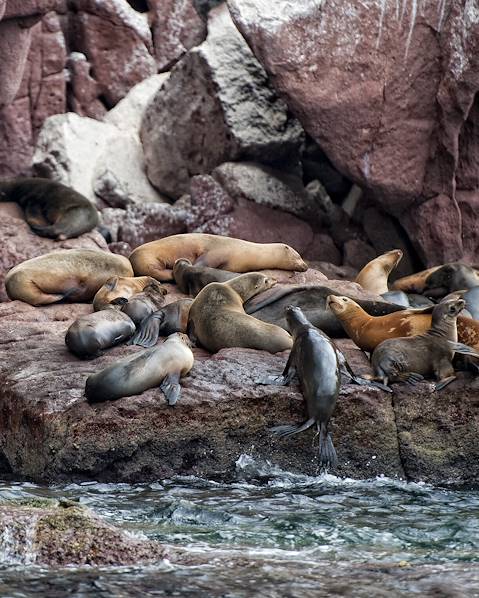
x=161 y=366
x=374 y=276
x=157 y=258
x=73 y=275
x=414 y=283
x=217 y=318
x=51 y=209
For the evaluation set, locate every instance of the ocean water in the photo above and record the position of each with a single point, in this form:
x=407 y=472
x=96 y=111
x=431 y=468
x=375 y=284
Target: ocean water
x=270 y=533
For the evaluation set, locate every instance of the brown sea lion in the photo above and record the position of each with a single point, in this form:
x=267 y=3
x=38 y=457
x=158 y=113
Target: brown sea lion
x=368 y=331
x=117 y=290
x=217 y=318
x=157 y=258
x=426 y=354
x=167 y=320
x=450 y=278
x=191 y=279
x=414 y=283
x=91 y=334
x=73 y=275
x=161 y=366
x=51 y=209
x=314 y=359
x=374 y=276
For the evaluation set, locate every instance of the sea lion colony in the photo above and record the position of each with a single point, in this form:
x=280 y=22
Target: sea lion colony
x=249 y=310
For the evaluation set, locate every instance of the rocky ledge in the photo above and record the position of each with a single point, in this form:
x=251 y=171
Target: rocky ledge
x=50 y=433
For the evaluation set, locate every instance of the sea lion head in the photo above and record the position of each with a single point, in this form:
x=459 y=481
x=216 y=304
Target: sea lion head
x=294 y=316
x=391 y=259
x=341 y=306
x=447 y=311
x=180 y=337
x=251 y=284
x=293 y=257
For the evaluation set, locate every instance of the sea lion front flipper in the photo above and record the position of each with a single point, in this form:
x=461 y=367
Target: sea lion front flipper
x=271 y=295
x=171 y=388
x=444 y=382
x=463 y=349
x=290 y=430
x=411 y=378
x=148 y=330
x=119 y=301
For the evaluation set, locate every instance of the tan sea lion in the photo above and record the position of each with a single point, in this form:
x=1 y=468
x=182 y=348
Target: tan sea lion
x=426 y=354
x=91 y=334
x=73 y=275
x=414 y=283
x=161 y=366
x=157 y=258
x=191 y=279
x=368 y=331
x=117 y=290
x=167 y=320
x=51 y=209
x=217 y=318
x=374 y=276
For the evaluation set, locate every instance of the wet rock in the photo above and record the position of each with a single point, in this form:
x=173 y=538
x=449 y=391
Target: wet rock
x=215 y=106
x=176 y=27
x=19 y=243
x=116 y=39
x=44 y=532
x=404 y=82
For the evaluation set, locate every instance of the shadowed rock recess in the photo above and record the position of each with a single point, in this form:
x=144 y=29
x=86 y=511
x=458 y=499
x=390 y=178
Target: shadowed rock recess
x=50 y=432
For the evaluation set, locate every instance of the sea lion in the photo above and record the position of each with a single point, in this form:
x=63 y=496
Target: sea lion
x=314 y=359
x=426 y=354
x=217 y=318
x=270 y=307
x=157 y=258
x=191 y=279
x=73 y=275
x=449 y=278
x=368 y=331
x=374 y=276
x=117 y=290
x=471 y=297
x=161 y=366
x=142 y=305
x=91 y=334
x=414 y=283
x=396 y=297
x=167 y=320
x=51 y=209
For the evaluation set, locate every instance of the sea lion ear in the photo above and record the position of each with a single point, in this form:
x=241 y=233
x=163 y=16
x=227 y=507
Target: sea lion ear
x=111 y=283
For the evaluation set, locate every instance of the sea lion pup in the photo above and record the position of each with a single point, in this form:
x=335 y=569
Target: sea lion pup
x=414 y=283
x=141 y=305
x=217 y=318
x=167 y=320
x=191 y=279
x=161 y=366
x=117 y=290
x=73 y=275
x=426 y=354
x=91 y=334
x=51 y=209
x=157 y=258
x=374 y=276
x=314 y=359
x=449 y=278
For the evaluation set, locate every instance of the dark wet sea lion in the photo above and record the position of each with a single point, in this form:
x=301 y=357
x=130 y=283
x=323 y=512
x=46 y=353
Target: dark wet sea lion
x=142 y=305
x=270 y=307
x=157 y=258
x=426 y=354
x=73 y=275
x=161 y=366
x=374 y=276
x=167 y=320
x=449 y=278
x=191 y=279
x=118 y=290
x=314 y=359
x=51 y=209
x=217 y=318
x=396 y=297
x=91 y=334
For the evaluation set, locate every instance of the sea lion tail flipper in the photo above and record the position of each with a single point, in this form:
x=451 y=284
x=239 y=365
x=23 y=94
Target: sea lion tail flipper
x=368 y=380
x=327 y=452
x=444 y=382
x=148 y=331
x=463 y=349
x=278 y=380
x=290 y=430
x=171 y=388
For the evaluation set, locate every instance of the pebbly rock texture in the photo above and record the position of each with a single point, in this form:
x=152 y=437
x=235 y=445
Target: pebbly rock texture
x=51 y=533
x=19 y=243
x=49 y=432
x=390 y=93
x=216 y=106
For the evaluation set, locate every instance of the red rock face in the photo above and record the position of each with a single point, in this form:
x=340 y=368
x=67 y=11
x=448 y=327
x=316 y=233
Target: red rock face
x=388 y=90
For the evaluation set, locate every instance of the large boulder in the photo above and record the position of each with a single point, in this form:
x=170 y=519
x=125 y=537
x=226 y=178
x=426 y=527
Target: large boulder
x=216 y=106
x=49 y=432
x=390 y=93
